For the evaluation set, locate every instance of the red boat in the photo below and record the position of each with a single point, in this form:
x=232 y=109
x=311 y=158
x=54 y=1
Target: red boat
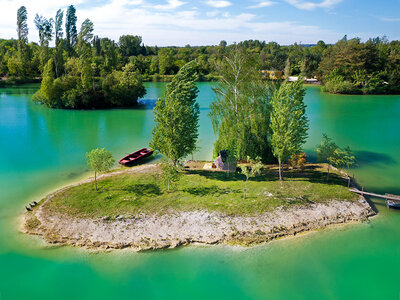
x=136 y=157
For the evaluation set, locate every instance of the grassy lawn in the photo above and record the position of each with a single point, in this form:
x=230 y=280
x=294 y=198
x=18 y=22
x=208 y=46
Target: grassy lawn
x=200 y=189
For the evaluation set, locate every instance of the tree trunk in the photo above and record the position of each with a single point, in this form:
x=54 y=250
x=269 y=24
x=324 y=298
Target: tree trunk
x=245 y=188
x=95 y=179
x=55 y=65
x=327 y=176
x=280 y=169
x=168 y=185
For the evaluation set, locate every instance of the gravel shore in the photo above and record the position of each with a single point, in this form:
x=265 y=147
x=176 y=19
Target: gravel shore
x=176 y=228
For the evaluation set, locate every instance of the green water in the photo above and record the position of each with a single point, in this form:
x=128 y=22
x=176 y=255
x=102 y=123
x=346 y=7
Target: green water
x=42 y=149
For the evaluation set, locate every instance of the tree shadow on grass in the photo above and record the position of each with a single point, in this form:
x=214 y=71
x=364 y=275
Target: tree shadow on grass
x=209 y=190
x=218 y=175
x=310 y=174
x=143 y=189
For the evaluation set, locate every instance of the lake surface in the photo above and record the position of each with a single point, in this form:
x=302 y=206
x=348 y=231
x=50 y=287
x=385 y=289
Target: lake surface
x=42 y=149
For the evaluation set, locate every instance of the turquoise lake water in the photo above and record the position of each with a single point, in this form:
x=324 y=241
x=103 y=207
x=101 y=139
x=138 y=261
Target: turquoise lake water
x=42 y=149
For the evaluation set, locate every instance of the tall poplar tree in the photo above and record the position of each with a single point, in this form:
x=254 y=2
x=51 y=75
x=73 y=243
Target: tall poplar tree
x=22 y=32
x=85 y=37
x=289 y=123
x=177 y=116
x=22 y=28
x=71 y=32
x=45 y=28
x=58 y=34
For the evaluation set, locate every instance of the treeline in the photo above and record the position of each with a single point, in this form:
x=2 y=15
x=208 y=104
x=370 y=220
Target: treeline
x=372 y=67
x=80 y=71
x=84 y=66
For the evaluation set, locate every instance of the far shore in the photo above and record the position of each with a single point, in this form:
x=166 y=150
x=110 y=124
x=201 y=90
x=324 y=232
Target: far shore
x=174 y=227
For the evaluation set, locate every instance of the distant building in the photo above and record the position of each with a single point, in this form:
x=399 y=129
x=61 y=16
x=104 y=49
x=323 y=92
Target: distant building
x=293 y=78
x=270 y=74
x=311 y=80
x=306 y=80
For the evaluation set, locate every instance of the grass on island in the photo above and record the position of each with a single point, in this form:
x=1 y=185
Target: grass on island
x=130 y=194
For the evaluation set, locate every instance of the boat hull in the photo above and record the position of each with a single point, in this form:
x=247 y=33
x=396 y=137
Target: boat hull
x=136 y=157
x=392 y=204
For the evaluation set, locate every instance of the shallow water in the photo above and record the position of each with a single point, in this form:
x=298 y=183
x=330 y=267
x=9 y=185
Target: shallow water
x=42 y=149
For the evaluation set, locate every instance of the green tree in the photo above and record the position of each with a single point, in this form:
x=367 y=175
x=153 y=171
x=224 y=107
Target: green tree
x=326 y=151
x=129 y=45
x=71 y=32
x=58 y=26
x=289 y=123
x=99 y=160
x=22 y=29
x=170 y=173
x=22 y=32
x=177 y=115
x=58 y=34
x=240 y=115
x=86 y=75
x=108 y=50
x=154 y=65
x=45 y=28
x=253 y=169
x=166 y=61
x=85 y=36
x=342 y=158
x=123 y=88
x=46 y=93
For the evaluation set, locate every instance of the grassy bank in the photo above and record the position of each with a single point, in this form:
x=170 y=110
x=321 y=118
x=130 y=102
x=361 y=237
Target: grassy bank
x=199 y=189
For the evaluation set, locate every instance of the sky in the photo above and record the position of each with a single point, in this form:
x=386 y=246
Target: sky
x=207 y=22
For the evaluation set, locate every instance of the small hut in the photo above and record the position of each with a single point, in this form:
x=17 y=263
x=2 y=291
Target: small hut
x=223 y=162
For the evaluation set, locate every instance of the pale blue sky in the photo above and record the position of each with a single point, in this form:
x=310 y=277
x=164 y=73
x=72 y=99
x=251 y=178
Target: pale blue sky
x=206 y=22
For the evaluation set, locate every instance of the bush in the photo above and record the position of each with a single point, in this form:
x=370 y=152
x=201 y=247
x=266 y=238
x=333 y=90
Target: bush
x=337 y=85
x=123 y=88
x=298 y=161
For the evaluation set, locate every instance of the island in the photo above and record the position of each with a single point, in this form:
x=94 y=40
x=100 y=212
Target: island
x=260 y=186
x=133 y=210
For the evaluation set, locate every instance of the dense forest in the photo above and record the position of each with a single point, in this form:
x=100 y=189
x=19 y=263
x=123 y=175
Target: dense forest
x=82 y=70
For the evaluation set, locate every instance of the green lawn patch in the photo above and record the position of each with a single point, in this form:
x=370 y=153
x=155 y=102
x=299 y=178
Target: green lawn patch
x=132 y=194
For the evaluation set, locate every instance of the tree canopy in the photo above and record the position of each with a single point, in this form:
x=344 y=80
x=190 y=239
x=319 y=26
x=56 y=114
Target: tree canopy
x=99 y=160
x=176 y=116
x=289 y=123
x=240 y=115
x=349 y=66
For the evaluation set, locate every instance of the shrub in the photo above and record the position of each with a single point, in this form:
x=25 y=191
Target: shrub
x=337 y=85
x=298 y=161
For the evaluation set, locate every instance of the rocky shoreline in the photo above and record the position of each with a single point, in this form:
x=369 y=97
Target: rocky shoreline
x=177 y=228
x=146 y=232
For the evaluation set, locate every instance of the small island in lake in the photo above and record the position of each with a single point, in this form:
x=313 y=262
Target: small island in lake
x=259 y=188
x=132 y=208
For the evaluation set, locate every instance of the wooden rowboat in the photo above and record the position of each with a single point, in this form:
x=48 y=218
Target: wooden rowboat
x=136 y=157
